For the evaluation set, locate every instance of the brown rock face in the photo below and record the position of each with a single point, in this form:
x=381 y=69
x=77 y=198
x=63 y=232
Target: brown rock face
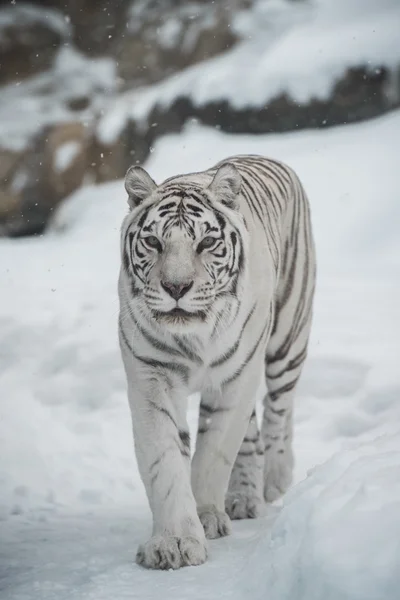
x=50 y=170
x=10 y=200
x=132 y=146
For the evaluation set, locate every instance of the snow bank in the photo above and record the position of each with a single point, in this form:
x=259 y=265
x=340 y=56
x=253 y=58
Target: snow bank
x=338 y=534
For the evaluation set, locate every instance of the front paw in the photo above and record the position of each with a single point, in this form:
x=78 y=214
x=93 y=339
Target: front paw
x=171 y=552
x=215 y=522
x=242 y=505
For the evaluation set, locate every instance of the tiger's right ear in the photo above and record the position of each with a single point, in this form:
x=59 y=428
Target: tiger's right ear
x=139 y=185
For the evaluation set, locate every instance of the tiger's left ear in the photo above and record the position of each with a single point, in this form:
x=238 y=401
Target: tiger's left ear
x=226 y=185
x=139 y=185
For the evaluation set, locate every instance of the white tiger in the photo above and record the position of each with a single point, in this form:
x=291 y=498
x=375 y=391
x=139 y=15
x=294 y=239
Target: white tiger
x=216 y=291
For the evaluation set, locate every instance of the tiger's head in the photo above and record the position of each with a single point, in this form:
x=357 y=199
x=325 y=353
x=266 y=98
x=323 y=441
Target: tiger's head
x=184 y=247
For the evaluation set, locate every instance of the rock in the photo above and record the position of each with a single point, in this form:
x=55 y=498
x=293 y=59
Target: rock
x=65 y=157
x=78 y=103
x=361 y=93
x=111 y=160
x=9 y=200
x=29 y=40
x=9 y=160
x=97 y=24
x=53 y=167
x=157 y=43
x=9 y=206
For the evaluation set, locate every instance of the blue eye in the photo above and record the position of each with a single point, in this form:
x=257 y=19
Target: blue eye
x=206 y=242
x=153 y=242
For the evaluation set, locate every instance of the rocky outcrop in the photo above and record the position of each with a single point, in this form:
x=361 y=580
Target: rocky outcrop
x=361 y=93
x=29 y=41
x=97 y=24
x=55 y=136
x=38 y=179
x=157 y=43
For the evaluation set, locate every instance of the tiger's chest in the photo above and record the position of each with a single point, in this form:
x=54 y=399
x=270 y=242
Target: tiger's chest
x=218 y=360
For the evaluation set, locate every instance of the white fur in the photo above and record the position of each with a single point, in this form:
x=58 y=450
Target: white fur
x=230 y=476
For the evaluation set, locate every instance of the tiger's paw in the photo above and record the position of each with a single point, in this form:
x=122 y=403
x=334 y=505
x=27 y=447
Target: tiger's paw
x=215 y=522
x=244 y=505
x=170 y=552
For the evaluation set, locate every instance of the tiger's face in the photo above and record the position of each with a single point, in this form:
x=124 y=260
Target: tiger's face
x=183 y=247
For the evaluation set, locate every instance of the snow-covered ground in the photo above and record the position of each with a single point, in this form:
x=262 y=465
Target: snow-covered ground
x=72 y=507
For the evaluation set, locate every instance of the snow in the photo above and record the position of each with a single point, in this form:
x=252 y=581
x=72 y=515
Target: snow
x=173 y=24
x=337 y=536
x=299 y=49
x=26 y=14
x=72 y=507
x=65 y=155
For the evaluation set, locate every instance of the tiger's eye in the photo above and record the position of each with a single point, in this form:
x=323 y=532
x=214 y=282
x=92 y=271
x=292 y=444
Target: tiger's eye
x=153 y=242
x=206 y=242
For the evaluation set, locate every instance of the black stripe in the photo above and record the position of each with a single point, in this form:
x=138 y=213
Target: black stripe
x=185 y=439
x=274 y=438
x=253 y=177
x=213 y=409
x=169 y=490
x=274 y=396
x=250 y=194
x=227 y=355
x=156 y=343
x=253 y=440
x=162 y=410
x=277 y=411
x=177 y=368
x=155 y=463
x=248 y=357
x=188 y=352
x=202 y=430
x=275 y=177
x=294 y=363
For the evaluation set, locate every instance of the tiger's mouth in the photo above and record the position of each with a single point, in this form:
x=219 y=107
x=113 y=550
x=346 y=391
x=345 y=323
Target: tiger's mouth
x=179 y=315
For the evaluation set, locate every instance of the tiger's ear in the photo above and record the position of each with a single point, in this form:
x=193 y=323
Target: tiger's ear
x=139 y=185
x=226 y=185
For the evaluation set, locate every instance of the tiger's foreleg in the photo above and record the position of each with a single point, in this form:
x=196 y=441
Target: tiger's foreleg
x=225 y=419
x=162 y=447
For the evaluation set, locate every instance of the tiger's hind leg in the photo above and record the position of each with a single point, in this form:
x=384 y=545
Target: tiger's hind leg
x=244 y=499
x=282 y=374
x=278 y=453
x=287 y=351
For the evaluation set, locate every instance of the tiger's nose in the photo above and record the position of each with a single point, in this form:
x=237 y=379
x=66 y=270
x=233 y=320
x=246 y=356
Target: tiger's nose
x=176 y=290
